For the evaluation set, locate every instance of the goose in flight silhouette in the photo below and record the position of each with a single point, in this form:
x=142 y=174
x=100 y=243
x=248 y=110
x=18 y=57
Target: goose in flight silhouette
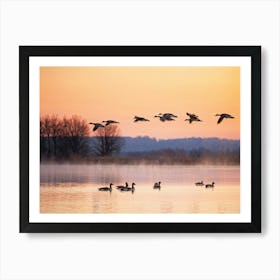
x=223 y=116
x=161 y=118
x=166 y=117
x=96 y=126
x=193 y=118
x=108 y=122
x=140 y=119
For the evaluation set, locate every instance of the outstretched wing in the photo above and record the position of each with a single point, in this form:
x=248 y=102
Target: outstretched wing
x=220 y=119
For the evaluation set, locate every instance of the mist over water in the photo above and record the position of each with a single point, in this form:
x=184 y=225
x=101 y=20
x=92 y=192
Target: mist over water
x=73 y=188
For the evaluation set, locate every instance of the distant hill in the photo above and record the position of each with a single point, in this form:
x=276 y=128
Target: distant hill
x=144 y=150
x=146 y=144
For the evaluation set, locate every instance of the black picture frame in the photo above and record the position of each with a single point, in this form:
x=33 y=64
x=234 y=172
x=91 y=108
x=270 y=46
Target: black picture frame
x=254 y=52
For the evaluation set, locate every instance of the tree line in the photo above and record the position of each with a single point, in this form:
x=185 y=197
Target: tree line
x=68 y=137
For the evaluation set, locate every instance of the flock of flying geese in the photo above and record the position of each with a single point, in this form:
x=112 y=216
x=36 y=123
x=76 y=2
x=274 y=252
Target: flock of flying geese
x=163 y=118
x=156 y=186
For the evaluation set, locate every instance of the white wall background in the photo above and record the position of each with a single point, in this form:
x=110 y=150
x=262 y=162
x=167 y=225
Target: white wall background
x=138 y=256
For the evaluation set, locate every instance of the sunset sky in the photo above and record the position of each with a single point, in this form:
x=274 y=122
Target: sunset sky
x=120 y=93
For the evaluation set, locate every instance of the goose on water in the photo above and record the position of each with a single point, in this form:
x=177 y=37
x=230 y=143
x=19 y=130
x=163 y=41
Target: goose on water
x=210 y=185
x=122 y=187
x=199 y=183
x=108 y=122
x=106 y=189
x=223 y=116
x=193 y=118
x=140 y=119
x=128 y=189
x=157 y=185
x=96 y=126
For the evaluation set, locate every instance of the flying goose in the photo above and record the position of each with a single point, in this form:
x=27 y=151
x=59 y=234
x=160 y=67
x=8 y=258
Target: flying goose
x=106 y=189
x=140 y=119
x=108 y=122
x=96 y=126
x=168 y=115
x=193 y=118
x=165 y=117
x=161 y=118
x=223 y=116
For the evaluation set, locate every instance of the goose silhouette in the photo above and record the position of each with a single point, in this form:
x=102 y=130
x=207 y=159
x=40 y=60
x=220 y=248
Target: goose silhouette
x=108 y=122
x=122 y=187
x=223 y=116
x=210 y=185
x=157 y=185
x=140 y=119
x=193 y=118
x=96 y=126
x=106 y=189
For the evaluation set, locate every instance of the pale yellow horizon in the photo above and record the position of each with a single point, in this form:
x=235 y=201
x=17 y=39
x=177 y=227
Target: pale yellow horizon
x=120 y=93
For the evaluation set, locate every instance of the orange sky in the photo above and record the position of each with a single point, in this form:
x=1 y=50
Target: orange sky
x=120 y=93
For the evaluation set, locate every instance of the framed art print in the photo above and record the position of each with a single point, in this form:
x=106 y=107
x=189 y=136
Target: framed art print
x=140 y=138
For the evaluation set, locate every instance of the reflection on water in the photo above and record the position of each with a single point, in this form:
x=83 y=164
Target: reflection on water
x=68 y=188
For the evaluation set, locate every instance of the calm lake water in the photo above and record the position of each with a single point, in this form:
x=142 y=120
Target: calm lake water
x=71 y=188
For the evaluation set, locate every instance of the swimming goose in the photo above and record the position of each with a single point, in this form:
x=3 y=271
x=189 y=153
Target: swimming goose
x=199 y=183
x=210 y=185
x=157 y=185
x=96 y=126
x=193 y=118
x=106 y=189
x=140 y=119
x=223 y=116
x=121 y=187
x=128 y=189
x=108 y=122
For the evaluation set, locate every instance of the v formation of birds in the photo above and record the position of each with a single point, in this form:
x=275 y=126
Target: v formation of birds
x=163 y=118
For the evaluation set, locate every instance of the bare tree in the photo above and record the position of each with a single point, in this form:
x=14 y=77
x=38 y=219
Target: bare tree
x=46 y=130
x=76 y=130
x=64 y=137
x=107 y=141
x=42 y=138
x=56 y=130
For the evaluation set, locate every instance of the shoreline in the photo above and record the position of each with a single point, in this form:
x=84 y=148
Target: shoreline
x=143 y=161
